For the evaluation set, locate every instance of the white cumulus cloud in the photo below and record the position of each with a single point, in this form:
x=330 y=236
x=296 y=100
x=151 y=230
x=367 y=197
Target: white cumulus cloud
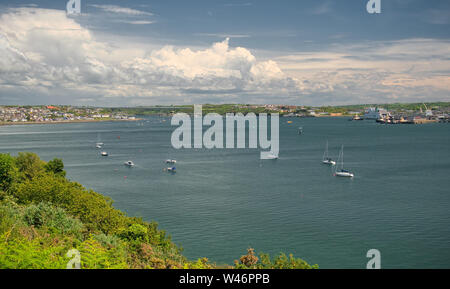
x=45 y=48
x=49 y=56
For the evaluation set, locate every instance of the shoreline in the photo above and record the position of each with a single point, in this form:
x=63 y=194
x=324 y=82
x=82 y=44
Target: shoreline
x=64 y=121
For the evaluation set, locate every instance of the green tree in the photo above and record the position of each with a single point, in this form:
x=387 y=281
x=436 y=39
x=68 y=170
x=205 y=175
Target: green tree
x=7 y=171
x=135 y=232
x=29 y=165
x=55 y=166
x=93 y=209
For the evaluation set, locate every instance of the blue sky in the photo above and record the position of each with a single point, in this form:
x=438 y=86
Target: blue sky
x=312 y=52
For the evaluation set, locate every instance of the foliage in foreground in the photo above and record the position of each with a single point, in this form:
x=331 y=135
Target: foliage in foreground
x=43 y=215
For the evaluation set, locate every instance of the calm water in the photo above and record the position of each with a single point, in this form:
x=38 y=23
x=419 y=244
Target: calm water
x=220 y=202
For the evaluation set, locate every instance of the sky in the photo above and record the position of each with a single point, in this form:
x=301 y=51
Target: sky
x=299 y=52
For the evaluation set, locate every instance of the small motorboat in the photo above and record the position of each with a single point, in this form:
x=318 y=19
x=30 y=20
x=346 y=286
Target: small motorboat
x=172 y=169
x=104 y=154
x=99 y=145
x=356 y=117
x=171 y=161
x=129 y=164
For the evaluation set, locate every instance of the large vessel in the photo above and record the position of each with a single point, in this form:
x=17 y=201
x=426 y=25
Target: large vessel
x=341 y=172
x=376 y=113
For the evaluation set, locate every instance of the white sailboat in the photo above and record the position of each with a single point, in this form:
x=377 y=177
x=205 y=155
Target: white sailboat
x=341 y=172
x=325 y=159
x=271 y=156
x=99 y=144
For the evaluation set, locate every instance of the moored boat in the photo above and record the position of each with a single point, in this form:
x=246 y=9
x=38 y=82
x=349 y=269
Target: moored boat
x=325 y=159
x=272 y=156
x=341 y=172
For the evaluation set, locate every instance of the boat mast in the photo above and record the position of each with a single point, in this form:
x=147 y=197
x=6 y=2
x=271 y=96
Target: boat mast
x=337 y=163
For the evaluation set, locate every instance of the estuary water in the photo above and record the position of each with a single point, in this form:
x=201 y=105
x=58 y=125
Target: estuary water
x=223 y=201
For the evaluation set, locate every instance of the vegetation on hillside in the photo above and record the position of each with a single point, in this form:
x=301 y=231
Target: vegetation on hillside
x=43 y=215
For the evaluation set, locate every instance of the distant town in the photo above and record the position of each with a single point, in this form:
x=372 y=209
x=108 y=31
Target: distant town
x=54 y=114
x=415 y=113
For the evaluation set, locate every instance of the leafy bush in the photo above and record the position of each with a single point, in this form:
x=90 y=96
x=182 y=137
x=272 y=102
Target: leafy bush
x=29 y=164
x=201 y=263
x=250 y=261
x=95 y=256
x=7 y=218
x=107 y=240
x=55 y=166
x=135 y=232
x=44 y=214
x=29 y=254
x=7 y=171
x=93 y=209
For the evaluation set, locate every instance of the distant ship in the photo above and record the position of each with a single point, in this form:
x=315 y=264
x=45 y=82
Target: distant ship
x=376 y=113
